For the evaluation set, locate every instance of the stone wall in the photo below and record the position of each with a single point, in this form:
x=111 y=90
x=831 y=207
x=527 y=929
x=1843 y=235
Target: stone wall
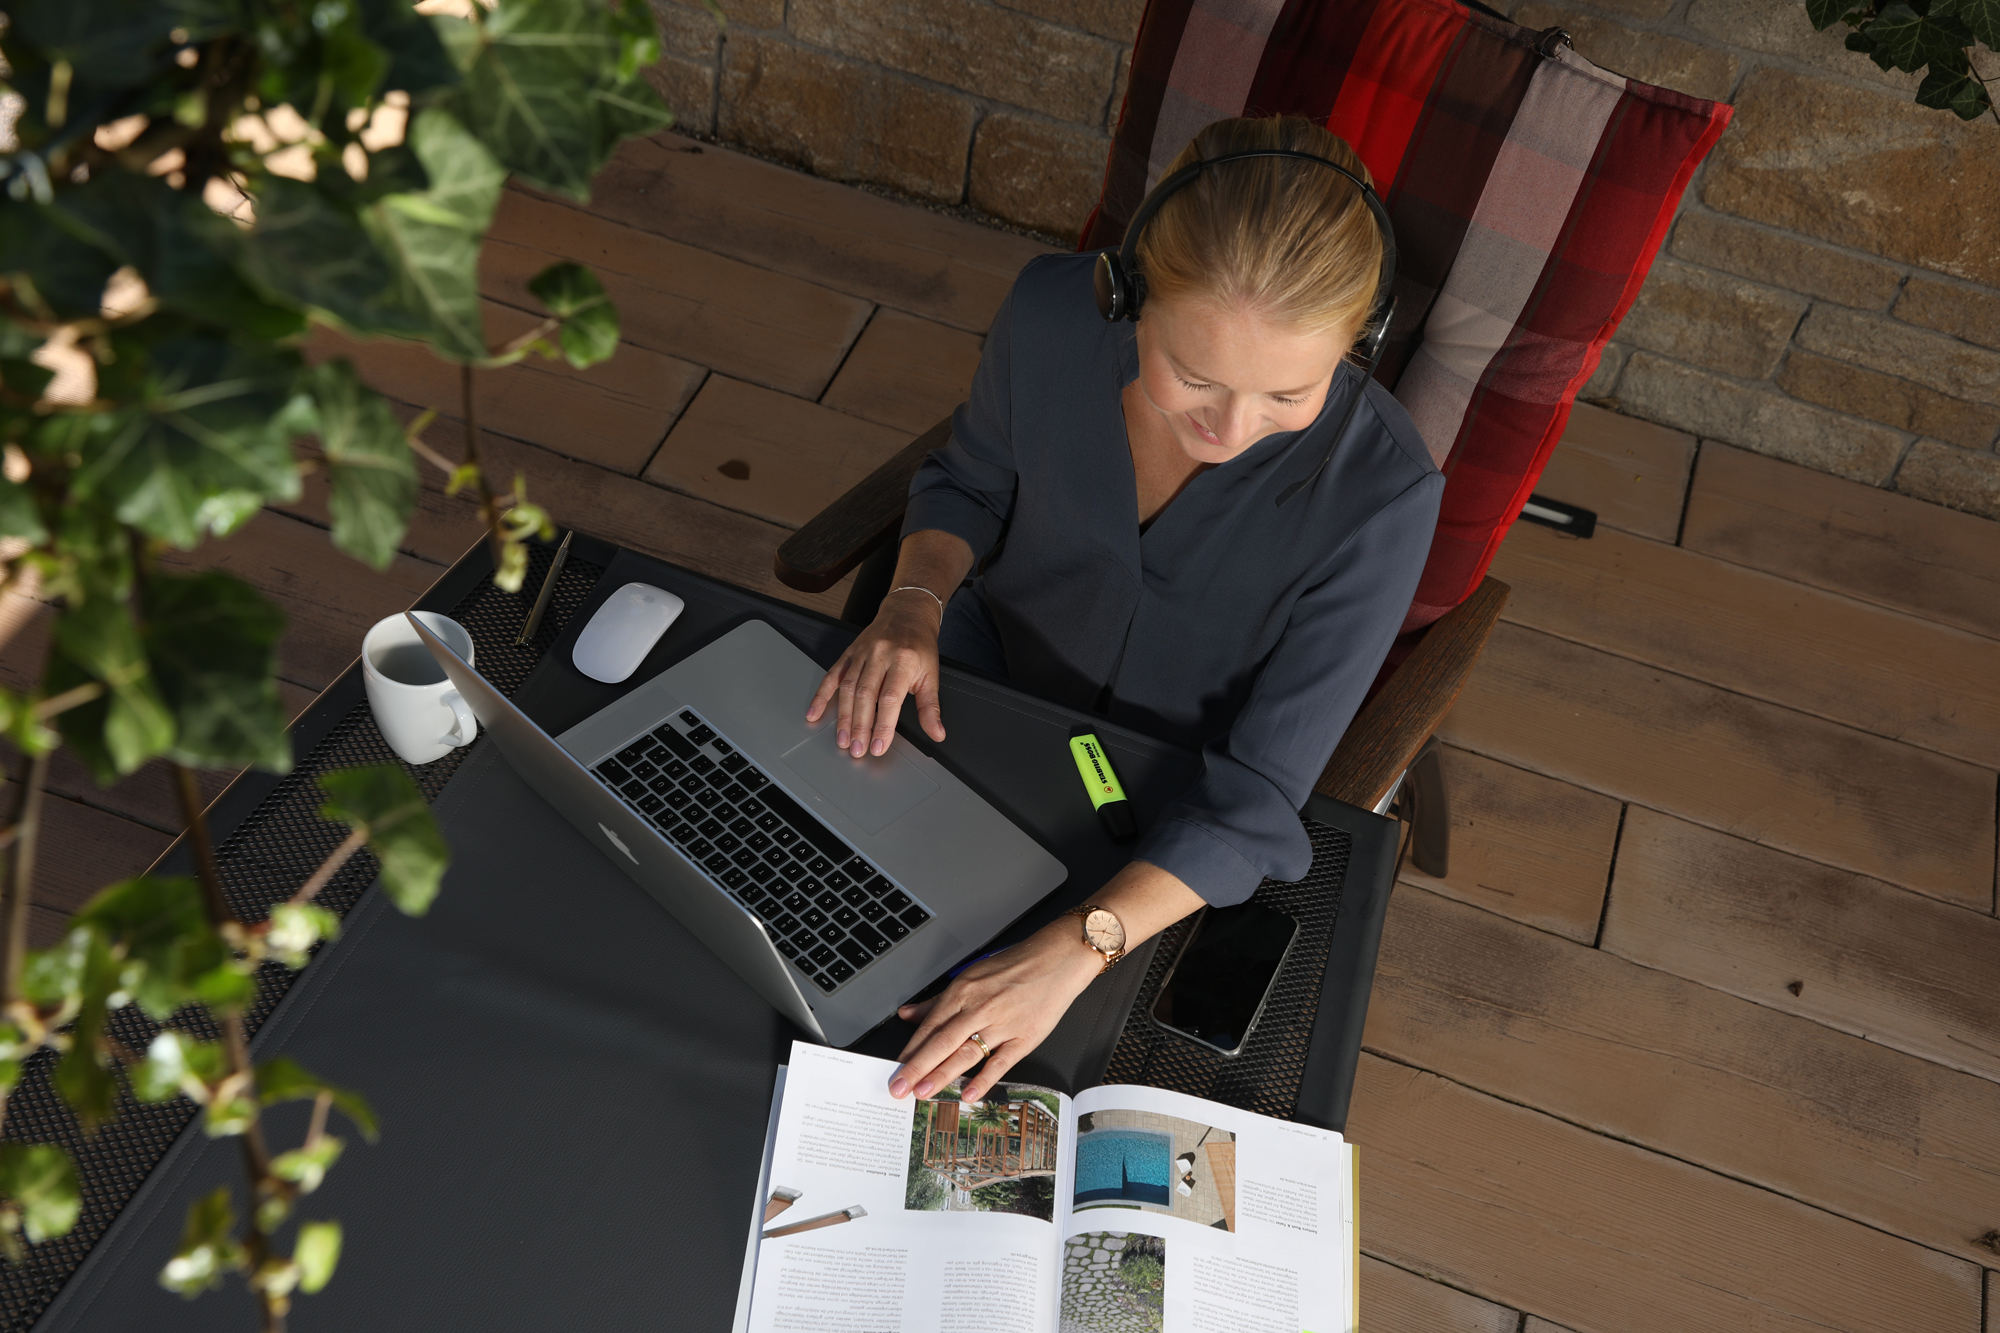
x=1830 y=293
x=1006 y=108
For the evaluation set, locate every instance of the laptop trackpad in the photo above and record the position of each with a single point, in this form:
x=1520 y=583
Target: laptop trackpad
x=874 y=792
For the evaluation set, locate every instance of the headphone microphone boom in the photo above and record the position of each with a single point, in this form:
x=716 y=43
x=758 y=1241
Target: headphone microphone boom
x=1121 y=288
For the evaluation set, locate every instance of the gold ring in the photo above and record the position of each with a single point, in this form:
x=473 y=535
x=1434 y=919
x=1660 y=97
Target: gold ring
x=984 y=1049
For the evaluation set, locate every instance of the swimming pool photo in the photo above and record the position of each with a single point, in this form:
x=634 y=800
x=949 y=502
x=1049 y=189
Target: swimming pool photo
x=1155 y=1163
x=1130 y=1165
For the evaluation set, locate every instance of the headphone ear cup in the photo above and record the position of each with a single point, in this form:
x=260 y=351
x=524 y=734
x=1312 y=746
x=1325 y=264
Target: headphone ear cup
x=1108 y=280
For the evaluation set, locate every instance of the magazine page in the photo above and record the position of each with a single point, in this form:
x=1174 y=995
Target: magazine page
x=1184 y=1216
x=917 y=1215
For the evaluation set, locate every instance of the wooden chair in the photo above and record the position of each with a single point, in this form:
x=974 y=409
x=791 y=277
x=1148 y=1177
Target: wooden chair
x=1455 y=113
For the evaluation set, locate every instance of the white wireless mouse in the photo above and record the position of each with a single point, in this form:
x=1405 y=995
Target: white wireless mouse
x=623 y=631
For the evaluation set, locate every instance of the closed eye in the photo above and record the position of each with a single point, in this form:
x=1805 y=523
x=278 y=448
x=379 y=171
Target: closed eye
x=1187 y=383
x=1288 y=402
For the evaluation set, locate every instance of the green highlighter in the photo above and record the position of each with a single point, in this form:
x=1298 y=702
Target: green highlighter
x=1094 y=766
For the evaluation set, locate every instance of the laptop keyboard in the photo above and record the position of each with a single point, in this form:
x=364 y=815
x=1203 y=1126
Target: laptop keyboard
x=827 y=907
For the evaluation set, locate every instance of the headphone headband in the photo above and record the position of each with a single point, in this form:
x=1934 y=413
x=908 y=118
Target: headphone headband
x=1121 y=288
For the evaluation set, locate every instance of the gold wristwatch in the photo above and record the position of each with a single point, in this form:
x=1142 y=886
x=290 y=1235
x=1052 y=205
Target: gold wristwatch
x=1102 y=932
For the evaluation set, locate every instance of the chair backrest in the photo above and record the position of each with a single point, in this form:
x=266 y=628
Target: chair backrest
x=1530 y=191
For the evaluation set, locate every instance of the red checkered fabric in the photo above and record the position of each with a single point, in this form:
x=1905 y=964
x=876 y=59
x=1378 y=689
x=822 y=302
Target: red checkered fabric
x=1529 y=192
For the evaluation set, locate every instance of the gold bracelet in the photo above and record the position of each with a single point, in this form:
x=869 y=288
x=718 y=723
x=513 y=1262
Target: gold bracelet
x=918 y=587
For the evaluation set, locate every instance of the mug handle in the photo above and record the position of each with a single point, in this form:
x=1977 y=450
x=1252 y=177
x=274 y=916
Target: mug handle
x=464 y=725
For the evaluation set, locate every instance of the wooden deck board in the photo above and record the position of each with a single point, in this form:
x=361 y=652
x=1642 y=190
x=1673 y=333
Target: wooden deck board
x=1598 y=1235
x=768 y=454
x=1632 y=473
x=1868 y=958
x=905 y=372
x=614 y=414
x=1525 y=846
x=1889 y=549
x=1877 y=670
x=939 y=267
x=1396 y=1301
x=1746 y=767
x=692 y=304
x=96 y=848
x=1642 y=1054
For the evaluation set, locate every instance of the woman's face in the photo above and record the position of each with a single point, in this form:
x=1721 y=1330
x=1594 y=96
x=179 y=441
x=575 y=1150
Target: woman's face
x=1224 y=378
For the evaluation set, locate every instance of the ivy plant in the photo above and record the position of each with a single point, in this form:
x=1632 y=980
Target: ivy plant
x=1937 y=37
x=186 y=188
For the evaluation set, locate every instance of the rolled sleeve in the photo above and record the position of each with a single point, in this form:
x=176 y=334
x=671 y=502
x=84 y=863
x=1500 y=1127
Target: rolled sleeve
x=967 y=488
x=1238 y=824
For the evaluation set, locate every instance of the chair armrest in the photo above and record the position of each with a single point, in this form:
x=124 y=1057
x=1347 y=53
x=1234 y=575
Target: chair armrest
x=1391 y=727
x=840 y=536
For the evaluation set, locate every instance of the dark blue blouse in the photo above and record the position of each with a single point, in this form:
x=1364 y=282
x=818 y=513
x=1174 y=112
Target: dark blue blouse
x=1235 y=624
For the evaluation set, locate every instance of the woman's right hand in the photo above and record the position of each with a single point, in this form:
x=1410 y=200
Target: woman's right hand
x=894 y=657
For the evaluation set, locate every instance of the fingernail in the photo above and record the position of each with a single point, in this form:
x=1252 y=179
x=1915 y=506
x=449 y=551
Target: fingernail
x=841 y=737
x=967 y=1099
x=898 y=1086
x=926 y=1088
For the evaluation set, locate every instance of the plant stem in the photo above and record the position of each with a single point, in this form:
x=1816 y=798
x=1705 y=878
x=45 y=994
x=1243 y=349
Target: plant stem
x=20 y=880
x=330 y=867
x=489 y=512
x=256 y=1155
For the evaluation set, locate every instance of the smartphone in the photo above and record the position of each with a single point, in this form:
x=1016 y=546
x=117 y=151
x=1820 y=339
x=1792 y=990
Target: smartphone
x=1224 y=975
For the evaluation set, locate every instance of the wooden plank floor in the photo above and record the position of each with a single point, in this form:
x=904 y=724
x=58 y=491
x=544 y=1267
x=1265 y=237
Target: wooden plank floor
x=1700 y=1031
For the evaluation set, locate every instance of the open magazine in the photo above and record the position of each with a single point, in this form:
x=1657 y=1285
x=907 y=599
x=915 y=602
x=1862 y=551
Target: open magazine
x=1120 y=1210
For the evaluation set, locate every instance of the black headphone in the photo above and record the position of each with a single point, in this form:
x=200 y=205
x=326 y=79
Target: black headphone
x=1121 y=288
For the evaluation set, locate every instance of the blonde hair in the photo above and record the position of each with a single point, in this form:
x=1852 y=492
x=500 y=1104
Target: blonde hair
x=1287 y=239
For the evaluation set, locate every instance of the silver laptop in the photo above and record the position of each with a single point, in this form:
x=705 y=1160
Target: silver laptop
x=837 y=887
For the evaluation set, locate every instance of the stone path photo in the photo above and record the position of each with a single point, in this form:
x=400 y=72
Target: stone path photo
x=1113 y=1282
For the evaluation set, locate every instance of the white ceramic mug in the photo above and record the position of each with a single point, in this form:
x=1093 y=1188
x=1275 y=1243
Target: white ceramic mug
x=420 y=714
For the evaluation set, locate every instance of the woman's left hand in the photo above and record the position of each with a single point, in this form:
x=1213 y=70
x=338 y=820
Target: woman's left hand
x=1012 y=1000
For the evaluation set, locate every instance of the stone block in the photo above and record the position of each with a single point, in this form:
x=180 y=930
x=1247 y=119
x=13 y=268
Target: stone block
x=740 y=13
x=688 y=89
x=1650 y=57
x=1603 y=381
x=999 y=54
x=1712 y=319
x=1944 y=364
x=1783 y=261
x=1955 y=478
x=1759 y=418
x=1862 y=169
x=1116 y=106
x=1891 y=401
x=1116 y=19
x=686 y=33
x=1971 y=313
x=1037 y=174
x=843 y=120
x=1783 y=29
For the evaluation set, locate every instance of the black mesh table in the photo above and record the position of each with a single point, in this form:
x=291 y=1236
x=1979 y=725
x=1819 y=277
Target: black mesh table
x=573 y=1090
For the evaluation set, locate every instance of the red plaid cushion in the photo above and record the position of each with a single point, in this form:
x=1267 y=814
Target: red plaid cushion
x=1529 y=193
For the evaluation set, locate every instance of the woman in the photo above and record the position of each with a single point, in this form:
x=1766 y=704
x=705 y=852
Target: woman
x=1189 y=551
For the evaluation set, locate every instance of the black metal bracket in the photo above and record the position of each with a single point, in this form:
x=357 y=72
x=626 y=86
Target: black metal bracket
x=1565 y=518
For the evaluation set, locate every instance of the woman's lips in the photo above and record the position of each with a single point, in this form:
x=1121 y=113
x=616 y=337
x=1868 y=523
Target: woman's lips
x=1202 y=430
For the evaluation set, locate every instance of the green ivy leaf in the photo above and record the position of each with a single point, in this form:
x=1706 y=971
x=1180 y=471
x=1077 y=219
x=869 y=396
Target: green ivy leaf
x=1954 y=90
x=317 y=1254
x=204 y=442
x=41 y=1179
x=307 y=1167
x=296 y=928
x=60 y=268
x=401 y=830
x=284 y=1080
x=1908 y=40
x=432 y=239
x=1981 y=17
x=589 y=320
x=314 y=250
x=370 y=467
x=19 y=515
x=418 y=61
x=208 y=1246
x=156 y=929
x=212 y=640
x=97 y=640
x=1825 y=13
x=173 y=1062
x=525 y=67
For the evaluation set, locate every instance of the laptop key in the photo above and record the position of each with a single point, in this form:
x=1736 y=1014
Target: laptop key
x=835 y=880
x=859 y=869
x=611 y=771
x=728 y=843
x=762 y=873
x=651 y=804
x=683 y=834
x=786 y=925
x=710 y=828
x=674 y=741
x=792 y=871
x=846 y=916
x=633 y=788
x=821 y=955
x=716 y=863
x=736 y=791
x=754 y=780
x=726 y=812
x=699 y=849
x=770 y=823
x=831 y=933
x=880 y=887
x=819 y=865
x=753 y=837
x=825 y=982
x=675 y=769
x=787 y=948
x=874 y=911
x=688 y=716
x=797 y=902
x=741 y=827
x=896 y=900
x=746 y=858
x=854 y=895
x=632 y=753
x=644 y=770
x=854 y=952
x=915 y=917
x=813 y=917
x=827 y=901
x=709 y=799
x=677 y=799
x=781 y=835
x=702 y=764
x=722 y=747
x=839 y=971
x=875 y=941
x=735 y=878
x=753 y=807
x=735 y=763
x=701 y=735
x=893 y=928
x=811 y=887
x=662 y=784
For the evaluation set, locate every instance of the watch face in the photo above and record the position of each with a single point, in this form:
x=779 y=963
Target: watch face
x=1104 y=932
